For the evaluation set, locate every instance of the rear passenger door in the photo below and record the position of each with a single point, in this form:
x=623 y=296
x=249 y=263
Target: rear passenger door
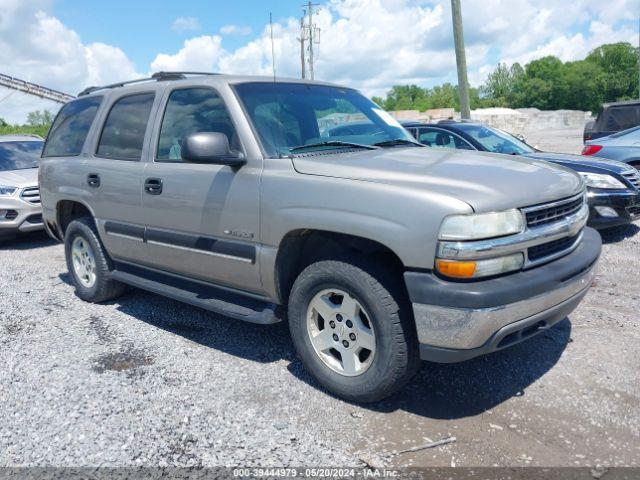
x=114 y=174
x=202 y=219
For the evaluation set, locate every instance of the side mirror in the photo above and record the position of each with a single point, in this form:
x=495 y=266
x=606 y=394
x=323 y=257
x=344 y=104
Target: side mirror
x=210 y=147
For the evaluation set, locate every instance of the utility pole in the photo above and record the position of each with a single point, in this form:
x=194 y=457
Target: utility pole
x=308 y=33
x=301 y=40
x=461 y=59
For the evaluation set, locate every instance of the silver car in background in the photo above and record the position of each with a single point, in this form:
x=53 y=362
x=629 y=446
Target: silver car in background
x=622 y=146
x=20 y=209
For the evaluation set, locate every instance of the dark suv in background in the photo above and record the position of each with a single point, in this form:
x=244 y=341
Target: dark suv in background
x=614 y=118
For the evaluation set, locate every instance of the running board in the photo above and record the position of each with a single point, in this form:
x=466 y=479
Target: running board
x=210 y=297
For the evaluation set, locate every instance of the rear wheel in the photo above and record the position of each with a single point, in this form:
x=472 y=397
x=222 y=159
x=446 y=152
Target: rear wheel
x=352 y=328
x=88 y=263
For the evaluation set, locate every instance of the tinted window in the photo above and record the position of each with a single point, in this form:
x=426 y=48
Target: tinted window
x=622 y=118
x=70 y=128
x=192 y=110
x=494 y=140
x=441 y=139
x=123 y=132
x=19 y=155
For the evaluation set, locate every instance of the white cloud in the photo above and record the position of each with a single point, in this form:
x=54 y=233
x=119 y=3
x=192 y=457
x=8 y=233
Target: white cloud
x=236 y=30
x=185 y=24
x=197 y=54
x=39 y=48
x=374 y=44
x=369 y=44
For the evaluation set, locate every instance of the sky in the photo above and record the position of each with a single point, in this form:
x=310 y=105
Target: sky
x=368 y=44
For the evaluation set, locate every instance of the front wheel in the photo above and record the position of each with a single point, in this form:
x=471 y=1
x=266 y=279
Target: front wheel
x=352 y=328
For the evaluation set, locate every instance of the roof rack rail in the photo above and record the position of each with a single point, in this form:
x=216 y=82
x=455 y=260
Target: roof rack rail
x=158 y=76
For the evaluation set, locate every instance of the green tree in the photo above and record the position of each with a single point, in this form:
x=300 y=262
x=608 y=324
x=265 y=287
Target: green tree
x=39 y=118
x=619 y=63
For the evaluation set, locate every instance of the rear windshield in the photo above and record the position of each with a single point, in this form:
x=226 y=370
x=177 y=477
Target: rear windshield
x=614 y=119
x=70 y=128
x=19 y=155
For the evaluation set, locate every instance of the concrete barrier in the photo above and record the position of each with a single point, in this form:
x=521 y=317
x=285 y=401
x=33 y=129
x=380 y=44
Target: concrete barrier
x=512 y=120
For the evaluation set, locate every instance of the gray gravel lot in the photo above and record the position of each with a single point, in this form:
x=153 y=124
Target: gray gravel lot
x=148 y=381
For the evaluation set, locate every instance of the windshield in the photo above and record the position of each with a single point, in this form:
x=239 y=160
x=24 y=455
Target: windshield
x=494 y=140
x=290 y=115
x=20 y=155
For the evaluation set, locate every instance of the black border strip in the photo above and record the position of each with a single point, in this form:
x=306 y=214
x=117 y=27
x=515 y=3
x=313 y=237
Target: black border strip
x=125 y=229
x=205 y=244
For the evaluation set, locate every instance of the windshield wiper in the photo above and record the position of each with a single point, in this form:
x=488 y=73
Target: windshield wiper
x=333 y=143
x=397 y=141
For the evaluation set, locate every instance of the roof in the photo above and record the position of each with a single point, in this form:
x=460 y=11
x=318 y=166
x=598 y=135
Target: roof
x=619 y=104
x=20 y=138
x=212 y=78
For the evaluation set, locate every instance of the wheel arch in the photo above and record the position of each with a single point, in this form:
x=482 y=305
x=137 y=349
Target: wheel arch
x=69 y=210
x=302 y=247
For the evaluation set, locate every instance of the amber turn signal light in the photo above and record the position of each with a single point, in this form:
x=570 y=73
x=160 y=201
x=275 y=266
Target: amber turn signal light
x=456 y=269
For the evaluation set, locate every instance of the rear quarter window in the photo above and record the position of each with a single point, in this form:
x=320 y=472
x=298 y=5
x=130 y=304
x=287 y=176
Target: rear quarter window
x=70 y=128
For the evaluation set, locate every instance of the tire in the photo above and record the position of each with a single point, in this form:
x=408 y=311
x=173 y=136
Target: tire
x=384 y=308
x=83 y=231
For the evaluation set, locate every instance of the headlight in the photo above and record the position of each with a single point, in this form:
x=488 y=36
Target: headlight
x=6 y=191
x=481 y=225
x=480 y=268
x=601 y=180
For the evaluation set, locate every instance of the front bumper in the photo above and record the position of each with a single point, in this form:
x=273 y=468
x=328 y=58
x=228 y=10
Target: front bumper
x=456 y=321
x=24 y=216
x=624 y=203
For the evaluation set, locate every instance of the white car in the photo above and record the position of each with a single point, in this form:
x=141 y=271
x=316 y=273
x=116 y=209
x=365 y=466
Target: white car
x=20 y=209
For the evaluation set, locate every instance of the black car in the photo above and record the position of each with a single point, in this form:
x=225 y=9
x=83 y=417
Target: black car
x=614 y=117
x=613 y=187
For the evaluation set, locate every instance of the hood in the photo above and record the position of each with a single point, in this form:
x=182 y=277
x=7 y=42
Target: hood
x=581 y=163
x=27 y=177
x=486 y=181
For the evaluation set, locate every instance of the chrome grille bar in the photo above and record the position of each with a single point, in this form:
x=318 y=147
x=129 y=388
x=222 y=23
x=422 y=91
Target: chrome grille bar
x=31 y=195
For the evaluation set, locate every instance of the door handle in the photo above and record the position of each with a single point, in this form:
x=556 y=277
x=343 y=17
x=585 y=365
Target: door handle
x=93 y=179
x=153 y=186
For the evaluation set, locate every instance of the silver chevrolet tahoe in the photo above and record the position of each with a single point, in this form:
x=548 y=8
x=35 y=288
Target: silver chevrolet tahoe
x=19 y=195
x=227 y=192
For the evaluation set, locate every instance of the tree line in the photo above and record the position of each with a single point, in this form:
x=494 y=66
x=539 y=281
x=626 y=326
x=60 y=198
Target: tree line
x=38 y=123
x=609 y=73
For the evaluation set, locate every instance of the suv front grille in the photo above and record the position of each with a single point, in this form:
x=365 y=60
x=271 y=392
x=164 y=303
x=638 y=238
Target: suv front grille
x=550 y=249
x=633 y=211
x=633 y=177
x=542 y=215
x=31 y=195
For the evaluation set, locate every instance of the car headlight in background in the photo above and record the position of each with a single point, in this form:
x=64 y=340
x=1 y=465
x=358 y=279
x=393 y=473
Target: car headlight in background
x=5 y=191
x=478 y=226
x=601 y=180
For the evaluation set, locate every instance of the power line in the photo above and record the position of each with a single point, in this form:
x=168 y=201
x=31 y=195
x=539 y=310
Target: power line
x=34 y=89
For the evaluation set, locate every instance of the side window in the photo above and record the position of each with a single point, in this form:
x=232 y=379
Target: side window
x=432 y=138
x=192 y=110
x=123 y=132
x=70 y=128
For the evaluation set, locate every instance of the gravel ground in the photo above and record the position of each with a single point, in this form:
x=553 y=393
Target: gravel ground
x=149 y=381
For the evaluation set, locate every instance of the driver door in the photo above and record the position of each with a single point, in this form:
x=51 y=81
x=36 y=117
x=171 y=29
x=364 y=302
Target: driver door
x=202 y=219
